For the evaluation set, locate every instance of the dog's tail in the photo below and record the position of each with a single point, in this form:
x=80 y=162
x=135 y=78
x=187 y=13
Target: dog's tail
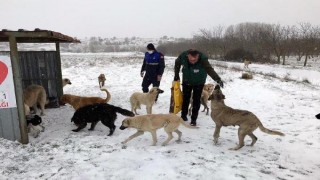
x=108 y=94
x=268 y=131
x=123 y=111
x=187 y=125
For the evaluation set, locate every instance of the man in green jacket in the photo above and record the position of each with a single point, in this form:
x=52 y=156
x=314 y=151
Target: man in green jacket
x=195 y=67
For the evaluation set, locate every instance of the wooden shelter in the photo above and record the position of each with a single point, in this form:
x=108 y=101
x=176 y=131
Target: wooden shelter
x=37 y=67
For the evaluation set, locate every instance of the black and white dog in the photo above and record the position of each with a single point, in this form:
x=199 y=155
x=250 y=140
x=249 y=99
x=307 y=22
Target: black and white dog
x=318 y=116
x=34 y=121
x=94 y=113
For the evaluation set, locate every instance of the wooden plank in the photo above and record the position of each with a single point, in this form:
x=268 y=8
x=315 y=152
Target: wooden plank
x=18 y=90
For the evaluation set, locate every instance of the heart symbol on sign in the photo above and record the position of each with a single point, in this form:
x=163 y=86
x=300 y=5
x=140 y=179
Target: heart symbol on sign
x=3 y=71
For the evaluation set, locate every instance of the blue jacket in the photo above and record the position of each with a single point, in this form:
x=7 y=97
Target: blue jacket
x=153 y=64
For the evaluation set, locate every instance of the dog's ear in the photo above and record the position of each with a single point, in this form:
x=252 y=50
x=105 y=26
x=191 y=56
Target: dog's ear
x=216 y=87
x=210 y=97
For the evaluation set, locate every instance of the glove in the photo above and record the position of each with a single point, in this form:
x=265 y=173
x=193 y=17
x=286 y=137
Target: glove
x=142 y=73
x=176 y=78
x=220 y=83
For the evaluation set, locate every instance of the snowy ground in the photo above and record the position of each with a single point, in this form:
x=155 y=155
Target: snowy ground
x=59 y=153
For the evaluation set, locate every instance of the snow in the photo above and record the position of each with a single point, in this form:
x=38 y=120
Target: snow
x=59 y=153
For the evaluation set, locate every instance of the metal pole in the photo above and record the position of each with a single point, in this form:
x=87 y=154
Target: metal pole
x=18 y=89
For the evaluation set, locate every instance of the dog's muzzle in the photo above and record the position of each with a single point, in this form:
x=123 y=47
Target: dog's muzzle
x=122 y=127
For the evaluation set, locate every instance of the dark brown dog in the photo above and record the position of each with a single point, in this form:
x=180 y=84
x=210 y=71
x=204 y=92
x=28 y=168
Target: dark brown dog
x=101 y=80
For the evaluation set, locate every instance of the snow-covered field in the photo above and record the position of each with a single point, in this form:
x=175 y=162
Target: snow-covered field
x=59 y=153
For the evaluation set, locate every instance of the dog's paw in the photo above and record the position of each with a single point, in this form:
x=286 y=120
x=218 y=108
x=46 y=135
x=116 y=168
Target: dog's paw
x=74 y=130
x=215 y=141
x=90 y=129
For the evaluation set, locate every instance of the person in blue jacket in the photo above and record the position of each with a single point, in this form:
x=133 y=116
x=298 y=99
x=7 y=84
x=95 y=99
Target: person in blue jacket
x=152 y=68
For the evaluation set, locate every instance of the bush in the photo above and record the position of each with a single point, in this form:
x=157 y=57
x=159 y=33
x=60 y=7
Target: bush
x=238 y=55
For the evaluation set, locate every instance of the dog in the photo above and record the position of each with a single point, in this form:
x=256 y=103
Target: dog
x=246 y=63
x=147 y=99
x=318 y=116
x=101 y=80
x=153 y=122
x=65 y=81
x=32 y=122
x=106 y=113
x=223 y=115
x=79 y=101
x=33 y=95
x=207 y=90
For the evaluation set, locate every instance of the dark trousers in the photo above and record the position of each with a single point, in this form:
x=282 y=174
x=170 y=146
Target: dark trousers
x=146 y=83
x=197 y=91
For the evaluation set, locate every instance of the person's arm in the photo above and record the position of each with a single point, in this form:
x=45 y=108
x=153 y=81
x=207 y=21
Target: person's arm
x=209 y=69
x=177 y=66
x=161 y=65
x=143 y=68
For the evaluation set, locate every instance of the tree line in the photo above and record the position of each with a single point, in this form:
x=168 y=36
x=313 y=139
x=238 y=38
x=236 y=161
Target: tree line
x=260 y=42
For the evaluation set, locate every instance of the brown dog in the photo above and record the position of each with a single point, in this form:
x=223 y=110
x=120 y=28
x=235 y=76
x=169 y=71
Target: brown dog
x=147 y=99
x=223 y=115
x=101 y=80
x=65 y=81
x=153 y=122
x=79 y=101
x=33 y=95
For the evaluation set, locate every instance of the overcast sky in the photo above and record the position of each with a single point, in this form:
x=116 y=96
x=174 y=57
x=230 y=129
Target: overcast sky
x=150 y=18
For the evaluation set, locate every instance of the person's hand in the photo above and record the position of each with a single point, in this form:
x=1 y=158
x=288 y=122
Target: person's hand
x=142 y=73
x=220 y=82
x=159 y=78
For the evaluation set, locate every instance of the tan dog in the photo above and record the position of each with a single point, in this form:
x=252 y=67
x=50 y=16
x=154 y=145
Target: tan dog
x=65 y=81
x=79 y=101
x=153 y=122
x=207 y=90
x=101 y=80
x=33 y=95
x=147 y=99
x=223 y=115
x=246 y=63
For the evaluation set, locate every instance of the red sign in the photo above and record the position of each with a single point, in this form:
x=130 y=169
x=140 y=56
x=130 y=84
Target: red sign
x=3 y=71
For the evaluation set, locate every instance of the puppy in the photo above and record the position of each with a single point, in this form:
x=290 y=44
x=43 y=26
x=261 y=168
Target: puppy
x=94 y=113
x=207 y=90
x=318 y=116
x=147 y=99
x=33 y=95
x=32 y=123
x=223 y=115
x=153 y=122
x=246 y=63
x=79 y=101
x=65 y=81
x=101 y=80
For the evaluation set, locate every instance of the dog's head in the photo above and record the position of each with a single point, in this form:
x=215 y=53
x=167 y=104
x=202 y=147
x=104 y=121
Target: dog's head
x=65 y=98
x=156 y=90
x=35 y=120
x=217 y=94
x=66 y=81
x=125 y=124
x=208 y=87
x=102 y=77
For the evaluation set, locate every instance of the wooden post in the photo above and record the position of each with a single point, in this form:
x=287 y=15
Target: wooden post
x=59 y=72
x=18 y=89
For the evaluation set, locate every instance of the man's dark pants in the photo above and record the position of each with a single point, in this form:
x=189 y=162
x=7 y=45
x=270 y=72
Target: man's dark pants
x=186 y=91
x=147 y=81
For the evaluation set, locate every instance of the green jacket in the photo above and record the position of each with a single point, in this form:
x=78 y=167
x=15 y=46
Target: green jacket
x=194 y=74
